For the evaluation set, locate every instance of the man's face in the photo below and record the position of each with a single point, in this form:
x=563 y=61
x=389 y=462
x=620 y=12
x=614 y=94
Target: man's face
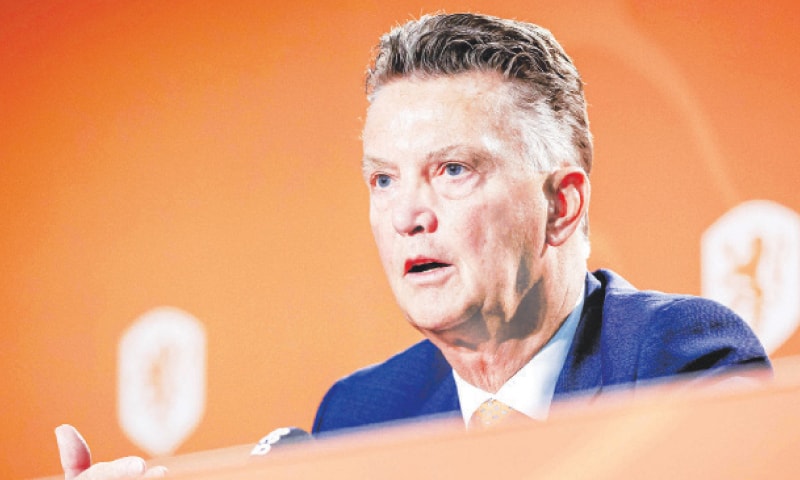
x=458 y=214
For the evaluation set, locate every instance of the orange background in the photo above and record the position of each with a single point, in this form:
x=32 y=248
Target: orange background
x=205 y=155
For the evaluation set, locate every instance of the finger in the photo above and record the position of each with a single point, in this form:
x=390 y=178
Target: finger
x=125 y=467
x=156 y=472
x=73 y=450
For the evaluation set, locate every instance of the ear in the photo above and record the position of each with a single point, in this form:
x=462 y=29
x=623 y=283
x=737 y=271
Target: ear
x=568 y=189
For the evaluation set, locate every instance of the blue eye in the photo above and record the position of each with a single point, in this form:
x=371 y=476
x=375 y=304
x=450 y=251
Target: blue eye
x=382 y=180
x=454 y=169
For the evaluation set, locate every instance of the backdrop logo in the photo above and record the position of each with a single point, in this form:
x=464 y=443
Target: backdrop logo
x=751 y=263
x=162 y=379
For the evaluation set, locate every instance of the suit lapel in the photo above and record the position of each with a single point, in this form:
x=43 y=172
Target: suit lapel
x=441 y=395
x=583 y=367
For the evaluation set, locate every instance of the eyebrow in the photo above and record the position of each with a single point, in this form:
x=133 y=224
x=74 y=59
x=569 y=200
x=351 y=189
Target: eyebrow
x=459 y=150
x=371 y=163
x=480 y=155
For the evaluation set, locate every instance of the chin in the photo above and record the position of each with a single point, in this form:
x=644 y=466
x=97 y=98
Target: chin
x=437 y=322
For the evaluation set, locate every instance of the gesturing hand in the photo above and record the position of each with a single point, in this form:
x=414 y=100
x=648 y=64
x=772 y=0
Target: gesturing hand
x=76 y=460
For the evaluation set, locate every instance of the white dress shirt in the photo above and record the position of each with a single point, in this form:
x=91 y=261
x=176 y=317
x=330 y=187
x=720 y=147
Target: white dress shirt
x=530 y=390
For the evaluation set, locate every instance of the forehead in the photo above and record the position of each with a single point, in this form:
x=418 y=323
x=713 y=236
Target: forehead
x=415 y=115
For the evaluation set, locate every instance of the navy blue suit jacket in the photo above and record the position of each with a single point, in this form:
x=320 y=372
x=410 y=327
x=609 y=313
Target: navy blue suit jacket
x=624 y=337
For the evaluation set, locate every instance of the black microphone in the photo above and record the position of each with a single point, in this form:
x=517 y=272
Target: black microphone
x=278 y=438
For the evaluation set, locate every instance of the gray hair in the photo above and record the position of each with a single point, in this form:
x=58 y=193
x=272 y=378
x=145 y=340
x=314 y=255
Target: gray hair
x=543 y=78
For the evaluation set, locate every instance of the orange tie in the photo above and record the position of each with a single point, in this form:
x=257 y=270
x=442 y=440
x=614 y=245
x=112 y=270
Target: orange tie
x=492 y=413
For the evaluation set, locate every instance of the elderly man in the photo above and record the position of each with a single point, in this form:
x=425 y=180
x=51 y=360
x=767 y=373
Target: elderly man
x=477 y=155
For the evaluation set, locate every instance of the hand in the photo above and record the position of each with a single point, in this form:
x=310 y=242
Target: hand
x=76 y=460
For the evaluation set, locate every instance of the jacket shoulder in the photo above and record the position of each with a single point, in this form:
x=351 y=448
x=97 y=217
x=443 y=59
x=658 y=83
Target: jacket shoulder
x=667 y=334
x=412 y=383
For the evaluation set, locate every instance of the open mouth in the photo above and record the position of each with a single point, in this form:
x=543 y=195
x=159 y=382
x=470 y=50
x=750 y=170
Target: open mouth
x=424 y=265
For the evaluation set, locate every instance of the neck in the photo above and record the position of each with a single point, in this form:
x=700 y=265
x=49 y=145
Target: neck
x=487 y=351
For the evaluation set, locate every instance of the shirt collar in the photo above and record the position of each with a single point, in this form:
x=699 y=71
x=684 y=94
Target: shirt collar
x=530 y=390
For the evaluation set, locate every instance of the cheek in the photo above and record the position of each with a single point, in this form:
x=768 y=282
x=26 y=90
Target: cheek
x=483 y=242
x=499 y=233
x=477 y=230
x=383 y=237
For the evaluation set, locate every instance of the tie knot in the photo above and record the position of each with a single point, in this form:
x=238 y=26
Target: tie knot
x=492 y=413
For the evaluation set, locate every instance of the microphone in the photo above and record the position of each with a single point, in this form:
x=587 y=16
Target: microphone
x=279 y=438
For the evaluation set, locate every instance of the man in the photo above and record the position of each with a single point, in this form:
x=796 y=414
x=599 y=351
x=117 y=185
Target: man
x=477 y=153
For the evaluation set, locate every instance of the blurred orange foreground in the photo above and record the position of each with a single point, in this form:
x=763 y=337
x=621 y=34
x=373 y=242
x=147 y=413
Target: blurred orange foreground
x=728 y=431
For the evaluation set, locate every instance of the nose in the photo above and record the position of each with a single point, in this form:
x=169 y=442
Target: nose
x=413 y=214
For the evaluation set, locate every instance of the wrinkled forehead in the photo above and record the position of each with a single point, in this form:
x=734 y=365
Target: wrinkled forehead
x=436 y=111
x=477 y=82
x=474 y=97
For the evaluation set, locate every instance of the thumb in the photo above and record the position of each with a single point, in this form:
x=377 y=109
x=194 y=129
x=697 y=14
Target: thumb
x=74 y=452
